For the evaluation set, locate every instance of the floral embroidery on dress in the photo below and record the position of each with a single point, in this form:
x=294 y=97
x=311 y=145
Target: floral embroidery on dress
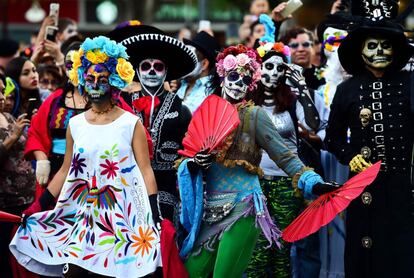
x=77 y=164
x=102 y=219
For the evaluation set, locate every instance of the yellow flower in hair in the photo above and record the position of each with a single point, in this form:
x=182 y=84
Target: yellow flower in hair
x=76 y=59
x=73 y=76
x=125 y=70
x=134 y=22
x=261 y=51
x=101 y=57
x=90 y=55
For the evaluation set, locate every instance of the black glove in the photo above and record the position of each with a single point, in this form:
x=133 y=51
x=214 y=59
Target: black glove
x=323 y=188
x=156 y=213
x=202 y=160
x=41 y=204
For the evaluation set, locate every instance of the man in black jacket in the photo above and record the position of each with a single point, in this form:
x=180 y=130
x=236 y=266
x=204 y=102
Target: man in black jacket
x=375 y=105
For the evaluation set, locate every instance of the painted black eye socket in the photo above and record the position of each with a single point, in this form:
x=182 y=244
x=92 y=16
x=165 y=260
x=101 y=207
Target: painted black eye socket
x=247 y=80
x=233 y=76
x=159 y=66
x=372 y=45
x=145 y=66
x=269 y=66
x=386 y=44
x=280 y=68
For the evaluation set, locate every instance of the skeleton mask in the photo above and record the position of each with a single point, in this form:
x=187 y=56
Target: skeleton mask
x=152 y=73
x=365 y=115
x=377 y=52
x=272 y=71
x=97 y=84
x=236 y=85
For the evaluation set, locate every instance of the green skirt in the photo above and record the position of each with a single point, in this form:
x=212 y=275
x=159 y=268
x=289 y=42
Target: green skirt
x=284 y=207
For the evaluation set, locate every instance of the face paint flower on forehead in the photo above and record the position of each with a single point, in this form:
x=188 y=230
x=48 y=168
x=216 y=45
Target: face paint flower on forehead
x=239 y=68
x=105 y=55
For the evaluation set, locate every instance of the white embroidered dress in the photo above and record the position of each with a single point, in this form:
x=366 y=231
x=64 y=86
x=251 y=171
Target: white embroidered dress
x=102 y=220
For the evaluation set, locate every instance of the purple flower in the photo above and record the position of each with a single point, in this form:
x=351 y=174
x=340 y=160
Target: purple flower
x=111 y=64
x=77 y=164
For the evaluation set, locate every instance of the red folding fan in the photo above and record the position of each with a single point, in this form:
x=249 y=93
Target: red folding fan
x=211 y=123
x=8 y=217
x=321 y=211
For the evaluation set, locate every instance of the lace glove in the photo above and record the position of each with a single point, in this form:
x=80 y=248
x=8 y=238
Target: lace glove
x=358 y=164
x=42 y=171
x=156 y=213
x=45 y=200
x=202 y=160
x=326 y=187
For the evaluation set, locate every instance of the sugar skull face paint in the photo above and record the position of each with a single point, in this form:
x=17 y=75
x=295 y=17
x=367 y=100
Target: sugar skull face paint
x=377 y=52
x=68 y=62
x=97 y=83
x=272 y=71
x=152 y=73
x=236 y=85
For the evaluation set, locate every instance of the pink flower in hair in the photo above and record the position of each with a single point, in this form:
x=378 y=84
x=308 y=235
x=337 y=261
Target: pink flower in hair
x=242 y=59
x=230 y=62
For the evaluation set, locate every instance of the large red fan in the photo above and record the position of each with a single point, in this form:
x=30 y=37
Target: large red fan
x=8 y=217
x=321 y=211
x=211 y=123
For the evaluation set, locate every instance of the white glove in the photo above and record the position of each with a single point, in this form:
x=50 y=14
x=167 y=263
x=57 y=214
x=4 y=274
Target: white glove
x=42 y=171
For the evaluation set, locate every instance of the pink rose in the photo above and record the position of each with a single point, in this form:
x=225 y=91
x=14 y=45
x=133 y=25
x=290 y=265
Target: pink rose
x=242 y=59
x=230 y=62
x=220 y=68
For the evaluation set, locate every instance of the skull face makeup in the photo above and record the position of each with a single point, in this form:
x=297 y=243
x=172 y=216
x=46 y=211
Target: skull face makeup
x=377 y=52
x=97 y=83
x=236 y=85
x=272 y=71
x=152 y=73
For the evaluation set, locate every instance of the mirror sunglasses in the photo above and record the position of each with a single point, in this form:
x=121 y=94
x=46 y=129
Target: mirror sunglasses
x=295 y=45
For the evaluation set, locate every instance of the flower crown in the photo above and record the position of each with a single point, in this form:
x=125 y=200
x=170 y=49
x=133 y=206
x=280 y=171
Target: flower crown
x=111 y=55
x=266 y=47
x=241 y=59
x=267 y=41
x=334 y=41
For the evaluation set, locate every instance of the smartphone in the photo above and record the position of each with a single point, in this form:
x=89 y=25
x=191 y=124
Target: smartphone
x=30 y=107
x=50 y=33
x=54 y=11
x=204 y=25
x=291 y=6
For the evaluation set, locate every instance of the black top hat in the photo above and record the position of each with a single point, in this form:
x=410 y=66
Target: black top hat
x=350 y=49
x=206 y=44
x=144 y=41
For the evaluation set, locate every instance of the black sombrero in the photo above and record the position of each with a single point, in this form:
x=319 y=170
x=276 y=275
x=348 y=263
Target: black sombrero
x=144 y=41
x=350 y=49
x=206 y=44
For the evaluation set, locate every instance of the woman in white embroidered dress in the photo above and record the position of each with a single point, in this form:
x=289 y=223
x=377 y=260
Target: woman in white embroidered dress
x=102 y=222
